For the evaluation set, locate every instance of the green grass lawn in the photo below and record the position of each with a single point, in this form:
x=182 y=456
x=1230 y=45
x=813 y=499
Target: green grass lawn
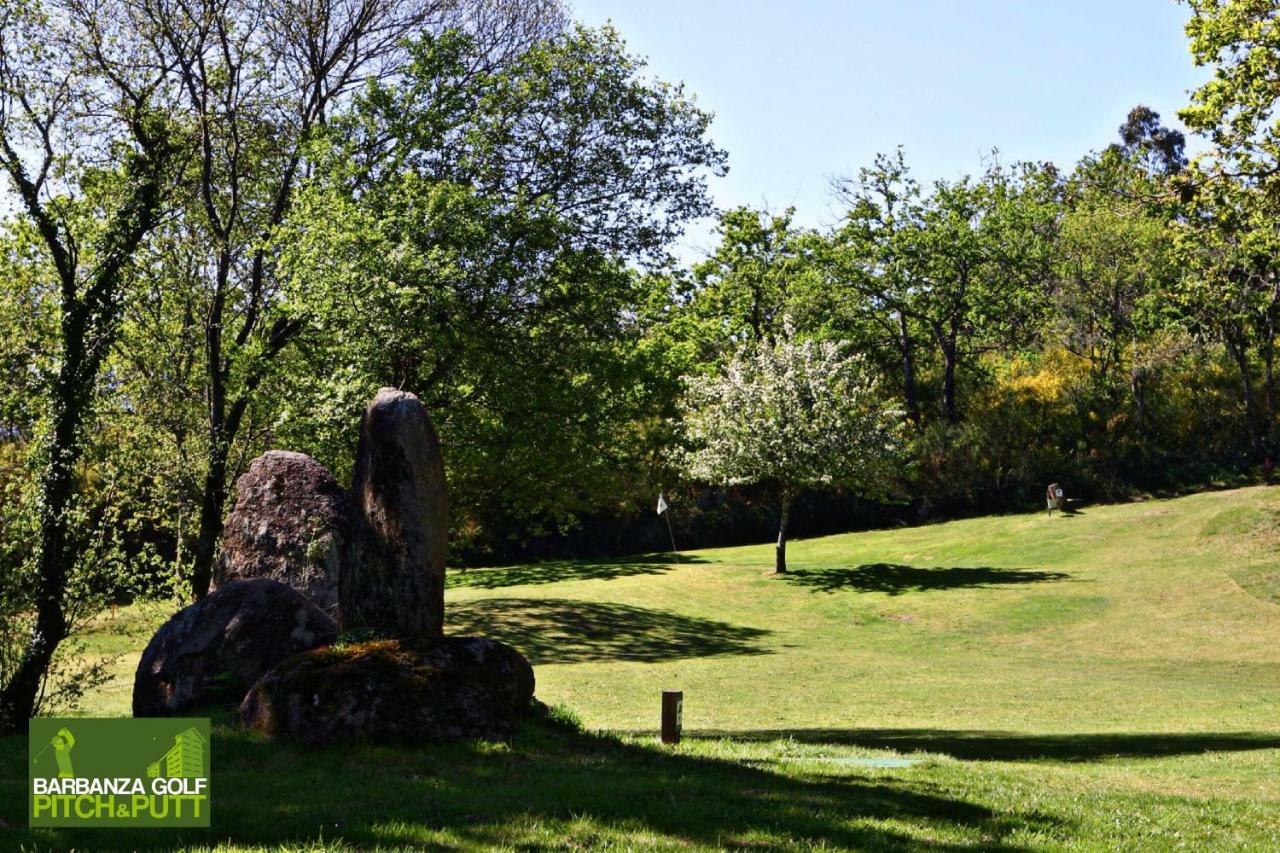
x=1109 y=679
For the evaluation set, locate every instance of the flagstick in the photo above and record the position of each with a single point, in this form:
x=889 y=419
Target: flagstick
x=664 y=509
x=667 y=516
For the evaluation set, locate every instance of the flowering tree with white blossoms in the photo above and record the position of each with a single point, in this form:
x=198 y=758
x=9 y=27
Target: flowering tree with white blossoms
x=789 y=415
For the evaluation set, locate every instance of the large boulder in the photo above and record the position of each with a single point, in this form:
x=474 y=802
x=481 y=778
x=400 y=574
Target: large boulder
x=394 y=581
x=290 y=523
x=420 y=689
x=214 y=649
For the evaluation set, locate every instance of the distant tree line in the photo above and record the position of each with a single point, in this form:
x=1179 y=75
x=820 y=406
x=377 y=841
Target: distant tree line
x=235 y=220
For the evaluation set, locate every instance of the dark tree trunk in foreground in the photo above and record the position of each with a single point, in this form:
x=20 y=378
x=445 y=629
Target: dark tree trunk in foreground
x=57 y=486
x=948 y=340
x=212 y=498
x=784 y=518
x=90 y=313
x=949 y=408
x=224 y=425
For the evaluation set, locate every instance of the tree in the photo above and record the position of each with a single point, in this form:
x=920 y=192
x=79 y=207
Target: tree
x=471 y=237
x=1230 y=291
x=791 y=416
x=966 y=264
x=761 y=272
x=1114 y=266
x=258 y=81
x=1158 y=149
x=87 y=141
x=872 y=264
x=1240 y=39
x=1228 y=237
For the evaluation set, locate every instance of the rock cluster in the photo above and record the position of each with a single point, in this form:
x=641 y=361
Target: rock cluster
x=297 y=550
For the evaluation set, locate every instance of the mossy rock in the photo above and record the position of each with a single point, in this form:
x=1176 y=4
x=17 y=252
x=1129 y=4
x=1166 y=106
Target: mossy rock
x=211 y=651
x=418 y=690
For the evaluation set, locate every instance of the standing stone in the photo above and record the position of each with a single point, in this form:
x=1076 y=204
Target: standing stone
x=291 y=524
x=394 y=582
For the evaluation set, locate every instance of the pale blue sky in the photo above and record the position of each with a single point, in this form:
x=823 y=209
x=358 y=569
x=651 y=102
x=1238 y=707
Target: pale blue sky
x=807 y=90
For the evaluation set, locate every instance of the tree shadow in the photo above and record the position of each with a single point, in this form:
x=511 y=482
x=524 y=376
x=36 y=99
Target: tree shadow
x=558 y=630
x=896 y=578
x=553 y=786
x=554 y=571
x=981 y=745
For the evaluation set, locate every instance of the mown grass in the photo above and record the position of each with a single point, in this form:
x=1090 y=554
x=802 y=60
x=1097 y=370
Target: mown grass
x=1098 y=681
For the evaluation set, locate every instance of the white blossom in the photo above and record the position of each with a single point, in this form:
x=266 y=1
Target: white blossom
x=792 y=415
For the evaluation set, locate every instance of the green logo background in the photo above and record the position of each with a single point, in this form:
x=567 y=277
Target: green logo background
x=148 y=749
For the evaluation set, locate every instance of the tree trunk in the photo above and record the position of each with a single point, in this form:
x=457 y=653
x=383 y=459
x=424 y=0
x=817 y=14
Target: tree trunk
x=1138 y=387
x=89 y=321
x=212 y=498
x=1241 y=358
x=1269 y=380
x=224 y=426
x=57 y=484
x=909 y=392
x=215 y=478
x=784 y=518
x=947 y=340
x=949 y=409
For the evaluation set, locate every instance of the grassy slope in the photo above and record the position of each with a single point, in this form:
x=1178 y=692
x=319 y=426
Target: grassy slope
x=1118 y=617
x=1109 y=678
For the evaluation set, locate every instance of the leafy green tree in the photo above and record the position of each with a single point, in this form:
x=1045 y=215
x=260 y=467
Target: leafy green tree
x=1240 y=40
x=966 y=263
x=1157 y=149
x=872 y=264
x=985 y=247
x=471 y=236
x=70 y=96
x=1115 y=268
x=789 y=415
x=258 y=80
x=1228 y=237
x=1230 y=291
x=762 y=271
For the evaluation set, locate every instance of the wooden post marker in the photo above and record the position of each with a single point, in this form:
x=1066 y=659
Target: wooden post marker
x=672 y=712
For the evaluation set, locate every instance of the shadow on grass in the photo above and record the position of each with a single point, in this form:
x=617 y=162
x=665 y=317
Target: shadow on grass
x=553 y=787
x=554 y=571
x=895 y=578
x=562 y=631
x=979 y=745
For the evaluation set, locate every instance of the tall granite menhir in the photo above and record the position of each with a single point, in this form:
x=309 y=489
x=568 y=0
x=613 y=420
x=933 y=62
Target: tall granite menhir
x=394 y=581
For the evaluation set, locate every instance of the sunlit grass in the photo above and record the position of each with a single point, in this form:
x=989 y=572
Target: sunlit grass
x=1108 y=679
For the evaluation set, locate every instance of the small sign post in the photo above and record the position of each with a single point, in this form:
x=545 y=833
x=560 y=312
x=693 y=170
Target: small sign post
x=1055 y=498
x=672 y=713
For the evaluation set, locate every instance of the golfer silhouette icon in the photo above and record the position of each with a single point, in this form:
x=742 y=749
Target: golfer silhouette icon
x=62 y=743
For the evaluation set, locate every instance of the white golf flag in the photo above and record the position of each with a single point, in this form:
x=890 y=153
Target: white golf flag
x=662 y=504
